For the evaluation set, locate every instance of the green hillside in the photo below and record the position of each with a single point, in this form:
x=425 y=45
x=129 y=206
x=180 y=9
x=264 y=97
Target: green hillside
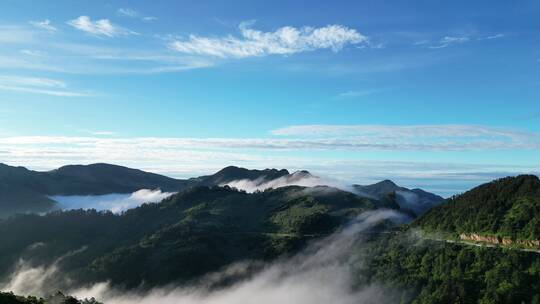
x=187 y=235
x=508 y=207
x=427 y=262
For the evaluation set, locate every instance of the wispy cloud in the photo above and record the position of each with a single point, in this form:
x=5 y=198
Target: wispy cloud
x=448 y=41
x=496 y=36
x=127 y=12
x=130 y=13
x=102 y=27
x=357 y=93
x=45 y=25
x=32 y=52
x=397 y=130
x=81 y=58
x=15 y=34
x=414 y=137
x=332 y=137
x=284 y=41
x=99 y=133
x=45 y=86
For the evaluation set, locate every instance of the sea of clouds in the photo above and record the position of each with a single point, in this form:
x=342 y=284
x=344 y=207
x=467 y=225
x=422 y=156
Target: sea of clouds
x=116 y=202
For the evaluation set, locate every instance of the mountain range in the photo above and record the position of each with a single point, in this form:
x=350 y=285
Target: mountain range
x=482 y=246
x=24 y=190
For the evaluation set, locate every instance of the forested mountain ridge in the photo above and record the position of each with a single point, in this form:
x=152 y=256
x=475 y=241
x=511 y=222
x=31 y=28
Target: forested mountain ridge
x=434 y=270
x=26 y=191
x=233 y=173
x=196 y=231
x=507 y=207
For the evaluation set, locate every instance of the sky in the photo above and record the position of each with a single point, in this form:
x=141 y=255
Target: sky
x=442 y=95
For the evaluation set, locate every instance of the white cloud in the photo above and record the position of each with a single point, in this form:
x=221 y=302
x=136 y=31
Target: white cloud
x=449 y=40
x=45 y=25
x=284 y=41
x=127 y=12
x=45 y=86
x=102 y=27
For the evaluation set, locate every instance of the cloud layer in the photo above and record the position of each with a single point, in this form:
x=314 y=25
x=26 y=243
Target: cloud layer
x=284 y=41
x=35 y=85
x=188 y=157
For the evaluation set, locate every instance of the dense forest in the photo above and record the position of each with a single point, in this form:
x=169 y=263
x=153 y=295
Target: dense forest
x=436 y=271
x=508 y=207
x=427 y=271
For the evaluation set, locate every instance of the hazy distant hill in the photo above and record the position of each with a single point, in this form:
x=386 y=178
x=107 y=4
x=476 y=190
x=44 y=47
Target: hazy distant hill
x=23 y=190
x=416 y=200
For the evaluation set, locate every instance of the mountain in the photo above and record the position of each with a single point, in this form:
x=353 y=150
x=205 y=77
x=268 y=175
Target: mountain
x=416 y=200
x=506 y=208
x=192 y=233
x=435 y=259
x=202 y=229
x=232 y=173
x=23 y=190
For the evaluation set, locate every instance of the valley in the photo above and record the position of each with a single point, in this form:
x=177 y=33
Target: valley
x=208 y=226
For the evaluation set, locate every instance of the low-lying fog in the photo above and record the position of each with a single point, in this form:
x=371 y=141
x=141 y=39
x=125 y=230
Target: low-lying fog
x=318 y=275
x=116 y=202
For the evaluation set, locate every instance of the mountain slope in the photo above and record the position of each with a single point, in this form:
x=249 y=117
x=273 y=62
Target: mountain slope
x=507 y=207
x=23 y=190
x=427 y=268
x=190 y=234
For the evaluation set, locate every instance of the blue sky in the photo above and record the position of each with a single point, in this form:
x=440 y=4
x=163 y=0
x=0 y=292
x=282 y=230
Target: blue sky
x=438 y=94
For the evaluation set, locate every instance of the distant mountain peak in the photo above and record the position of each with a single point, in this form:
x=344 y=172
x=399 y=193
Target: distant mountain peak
x=417 y=200
x=387 y=183
x=302 y=174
